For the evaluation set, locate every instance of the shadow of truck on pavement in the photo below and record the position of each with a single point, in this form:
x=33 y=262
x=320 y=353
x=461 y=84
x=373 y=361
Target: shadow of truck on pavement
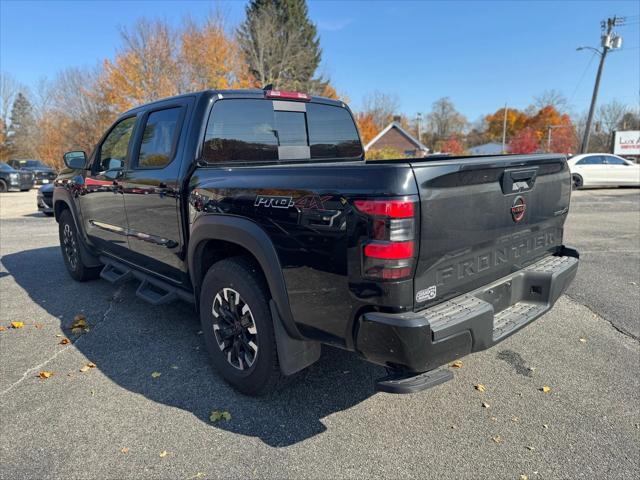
x=129 y=339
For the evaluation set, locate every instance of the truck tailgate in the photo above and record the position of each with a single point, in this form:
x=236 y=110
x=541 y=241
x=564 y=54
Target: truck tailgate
x=486 y=217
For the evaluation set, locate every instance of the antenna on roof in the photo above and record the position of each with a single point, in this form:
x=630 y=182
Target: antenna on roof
x=268 y=87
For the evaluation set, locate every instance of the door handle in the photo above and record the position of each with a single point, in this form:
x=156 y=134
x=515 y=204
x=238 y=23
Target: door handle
x=518 y=180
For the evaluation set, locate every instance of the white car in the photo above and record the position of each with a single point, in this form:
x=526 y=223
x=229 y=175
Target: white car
x=603 y=170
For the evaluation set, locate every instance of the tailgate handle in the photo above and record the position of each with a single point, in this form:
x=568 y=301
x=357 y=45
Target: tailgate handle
x=518 y=180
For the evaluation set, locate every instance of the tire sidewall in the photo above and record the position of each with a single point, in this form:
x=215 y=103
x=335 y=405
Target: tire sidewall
x=242 y=278
x=3 y=186
x=67 y=219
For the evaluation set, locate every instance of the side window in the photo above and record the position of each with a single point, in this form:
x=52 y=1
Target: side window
x=592 y=160
x=615 y=161
x=159 y=138
x=241 y=130
x=113 y=151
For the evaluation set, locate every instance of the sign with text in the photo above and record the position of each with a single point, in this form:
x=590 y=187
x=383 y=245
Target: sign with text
x=627 y=143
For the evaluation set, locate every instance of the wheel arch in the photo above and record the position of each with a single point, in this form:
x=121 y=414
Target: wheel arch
x=215 y=237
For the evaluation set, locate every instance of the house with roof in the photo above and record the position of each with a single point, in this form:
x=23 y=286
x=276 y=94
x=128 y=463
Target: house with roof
x=395 y=137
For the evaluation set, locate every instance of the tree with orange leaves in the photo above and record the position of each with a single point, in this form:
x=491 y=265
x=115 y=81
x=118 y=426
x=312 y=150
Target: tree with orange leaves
x=366 y=126
x=209 y=58
x=516 y=121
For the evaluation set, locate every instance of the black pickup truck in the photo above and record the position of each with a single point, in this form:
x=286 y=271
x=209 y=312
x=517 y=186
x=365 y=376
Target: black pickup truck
x=260 y=208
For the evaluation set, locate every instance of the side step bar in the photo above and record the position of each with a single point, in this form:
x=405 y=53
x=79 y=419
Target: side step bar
x=408 y=383
x=151 y=290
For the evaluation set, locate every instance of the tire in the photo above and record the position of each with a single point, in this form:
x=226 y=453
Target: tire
x=48 y=214
x=3 y=186
x=576 y=181
x=240 y=339
x=70 y=247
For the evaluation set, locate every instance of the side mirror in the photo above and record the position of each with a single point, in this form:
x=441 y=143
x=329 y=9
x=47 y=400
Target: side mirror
x=75 y=160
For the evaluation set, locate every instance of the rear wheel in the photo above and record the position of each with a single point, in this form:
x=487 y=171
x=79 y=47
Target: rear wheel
x=577 y=181
x=3 y=186
x=238 y=328
x=69 y=243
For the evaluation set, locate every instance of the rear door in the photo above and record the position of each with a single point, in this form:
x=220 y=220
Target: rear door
x=151 y=189
x=482 y=219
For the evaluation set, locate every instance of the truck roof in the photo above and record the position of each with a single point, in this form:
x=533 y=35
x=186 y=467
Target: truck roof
x=234 y=93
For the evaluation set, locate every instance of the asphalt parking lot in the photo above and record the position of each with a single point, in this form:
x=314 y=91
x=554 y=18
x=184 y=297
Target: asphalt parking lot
x=118 y=421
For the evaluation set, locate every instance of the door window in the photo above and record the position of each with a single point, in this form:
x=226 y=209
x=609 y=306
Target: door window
x=159 y=138
x=113 y=151
x=592 y=160
x=616 y=161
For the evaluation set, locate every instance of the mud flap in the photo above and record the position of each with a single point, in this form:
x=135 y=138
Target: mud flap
x=293 y=355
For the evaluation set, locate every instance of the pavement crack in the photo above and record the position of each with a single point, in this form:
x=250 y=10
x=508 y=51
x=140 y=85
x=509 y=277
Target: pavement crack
x=599 y=315
x=36 y=368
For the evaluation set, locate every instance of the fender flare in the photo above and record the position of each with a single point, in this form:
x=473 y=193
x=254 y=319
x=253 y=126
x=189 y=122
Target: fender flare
x=253 y=238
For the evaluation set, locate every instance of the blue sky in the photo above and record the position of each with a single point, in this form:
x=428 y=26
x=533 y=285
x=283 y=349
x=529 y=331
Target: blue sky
x=481 y=54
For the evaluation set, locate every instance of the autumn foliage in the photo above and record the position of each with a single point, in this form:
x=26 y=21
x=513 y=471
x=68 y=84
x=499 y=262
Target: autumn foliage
x=453 y=146
x=525 y=141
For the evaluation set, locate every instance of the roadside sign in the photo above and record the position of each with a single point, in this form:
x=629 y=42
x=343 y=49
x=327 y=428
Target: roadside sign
x=627 y=143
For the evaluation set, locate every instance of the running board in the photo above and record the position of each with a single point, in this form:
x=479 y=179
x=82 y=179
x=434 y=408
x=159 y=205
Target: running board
x=151 y=289
x=115 y=274
x=408 y=383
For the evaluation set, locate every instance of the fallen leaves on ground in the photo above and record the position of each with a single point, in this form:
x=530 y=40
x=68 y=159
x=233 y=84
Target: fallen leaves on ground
x=38 y=326
x=198 y=475
x=485 y=405
x=457 y=364
x=531 y=447
x=124 y=450
x=524 y=477
x=480 y=387
x=217 y=415
x=163 y=453
x=88 y=367
x=545 y=389
x=17 y=324
x=155 y=374
x=64 y=341
x=45 y=374
x=2 y=329
x=79 y=324
x=582 y=340
x=497 y=439
x=545 y=426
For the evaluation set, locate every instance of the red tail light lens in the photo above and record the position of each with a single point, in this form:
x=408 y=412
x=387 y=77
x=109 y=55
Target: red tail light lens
x=390 y=252
x=386 y=208
x=287 y=95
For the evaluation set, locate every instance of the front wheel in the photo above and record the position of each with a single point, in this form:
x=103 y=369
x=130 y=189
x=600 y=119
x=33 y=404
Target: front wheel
x=3 y=186
x=69 y=243
x=238 y=328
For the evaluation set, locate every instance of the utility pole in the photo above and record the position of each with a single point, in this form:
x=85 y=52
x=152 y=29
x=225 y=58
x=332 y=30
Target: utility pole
x=419 y=120
x=609 y=41
x=504 y=130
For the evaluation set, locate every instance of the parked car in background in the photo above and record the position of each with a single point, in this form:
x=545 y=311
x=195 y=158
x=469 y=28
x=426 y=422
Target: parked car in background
x=45 y=199
x=603 y=170
x=43 y=173
x=12 y=179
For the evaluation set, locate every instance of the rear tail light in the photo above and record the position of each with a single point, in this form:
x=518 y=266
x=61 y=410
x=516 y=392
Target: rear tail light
x=389 y=252
x=287 y=95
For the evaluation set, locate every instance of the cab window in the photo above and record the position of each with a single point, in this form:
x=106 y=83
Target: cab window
x=159 y=138
x=113 y=151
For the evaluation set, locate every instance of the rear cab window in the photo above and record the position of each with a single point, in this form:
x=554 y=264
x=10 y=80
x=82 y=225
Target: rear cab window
x=256 y=130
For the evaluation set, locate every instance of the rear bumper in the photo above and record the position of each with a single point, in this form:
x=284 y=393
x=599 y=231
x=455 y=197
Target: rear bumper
x=422 y=341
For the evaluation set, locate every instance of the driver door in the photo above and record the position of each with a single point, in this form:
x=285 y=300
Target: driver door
x=101 y=198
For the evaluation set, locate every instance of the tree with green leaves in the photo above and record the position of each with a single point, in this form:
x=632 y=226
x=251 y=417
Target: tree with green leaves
x=21 y=131
x=281 y=45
